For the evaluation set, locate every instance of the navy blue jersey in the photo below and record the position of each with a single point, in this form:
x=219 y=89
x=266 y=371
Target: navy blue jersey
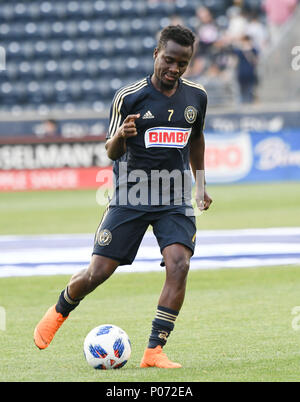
x=165 y=127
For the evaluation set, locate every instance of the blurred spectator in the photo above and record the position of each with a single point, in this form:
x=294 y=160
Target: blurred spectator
x=278 y=12
x=246 y=55
x=196 y=67
x=257 y=31
x=207 y=31
x=207 y=34
x=228 y=48
x=50 y=129
x=237 y=24
x=175 y=20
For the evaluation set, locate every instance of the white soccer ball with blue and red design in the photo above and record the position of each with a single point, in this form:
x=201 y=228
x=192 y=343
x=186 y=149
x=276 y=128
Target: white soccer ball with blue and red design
x=107 y=347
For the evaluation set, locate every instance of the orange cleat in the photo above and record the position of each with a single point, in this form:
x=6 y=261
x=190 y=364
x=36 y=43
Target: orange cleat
x=157 y=358
x=46 y=329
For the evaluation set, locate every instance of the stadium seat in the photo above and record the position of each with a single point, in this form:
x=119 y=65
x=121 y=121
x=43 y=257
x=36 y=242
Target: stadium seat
x=75 y=90
x=114 y=9
x=104 y=66
x=99 y=106
x=64 y=69
x=60 y=10
x=84 y=29
x=108 y=47
x=92 y=68
x=68 y=47
x=33 y=11
x=55 y=49
x=103 y=87
x=41 y=49
x=160 y=9
x=27 y=51
x=39 y=70
x=146 y=65
x=46 y=10
x=127 y=8
x=100 y=8
x=81 y=49
x=121 y=46
x=12 y=71
x=20 y=11
x=74 y=9
x=86 y=9
x=44 y=30
x=118 y=67
x=124 y=27
x=48 y=92
x=94 y=47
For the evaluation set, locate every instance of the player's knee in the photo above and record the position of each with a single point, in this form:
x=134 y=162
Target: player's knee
x=178 y=267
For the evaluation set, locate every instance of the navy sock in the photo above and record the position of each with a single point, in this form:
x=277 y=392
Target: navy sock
x=162 y=325
x=65 y=304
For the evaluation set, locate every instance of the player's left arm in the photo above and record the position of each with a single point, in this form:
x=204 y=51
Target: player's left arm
x=197 y=151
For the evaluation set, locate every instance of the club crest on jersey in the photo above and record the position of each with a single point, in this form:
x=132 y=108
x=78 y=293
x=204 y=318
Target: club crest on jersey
x=190 y=114
x=104 y=237
x=170 y=137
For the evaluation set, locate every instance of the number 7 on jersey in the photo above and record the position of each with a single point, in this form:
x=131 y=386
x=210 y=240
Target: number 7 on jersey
x=171 y=111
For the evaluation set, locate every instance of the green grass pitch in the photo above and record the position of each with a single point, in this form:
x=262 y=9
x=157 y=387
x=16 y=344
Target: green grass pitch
x=235 y=324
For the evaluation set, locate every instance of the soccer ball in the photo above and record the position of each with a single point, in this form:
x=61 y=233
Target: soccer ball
x=107 y=347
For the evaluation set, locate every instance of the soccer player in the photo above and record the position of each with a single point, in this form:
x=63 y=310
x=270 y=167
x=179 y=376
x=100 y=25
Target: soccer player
x=156 y=126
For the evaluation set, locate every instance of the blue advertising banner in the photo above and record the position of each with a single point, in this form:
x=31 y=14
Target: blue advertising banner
x=252 y=157
x=275 y=157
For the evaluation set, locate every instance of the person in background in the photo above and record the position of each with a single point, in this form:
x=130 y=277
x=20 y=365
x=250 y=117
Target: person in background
x=247 y=57
x=51 y=128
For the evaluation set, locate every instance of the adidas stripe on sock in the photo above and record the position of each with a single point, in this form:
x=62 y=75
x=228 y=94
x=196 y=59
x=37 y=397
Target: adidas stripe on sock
x=162 y=325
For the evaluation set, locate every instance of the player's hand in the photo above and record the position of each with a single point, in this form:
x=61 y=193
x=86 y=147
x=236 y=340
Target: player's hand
x=204 y=202
x=128 y=128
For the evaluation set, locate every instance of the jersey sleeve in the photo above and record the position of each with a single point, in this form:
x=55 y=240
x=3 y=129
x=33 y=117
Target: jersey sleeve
x=199 y=125
x=203 y=114
x=117 y=115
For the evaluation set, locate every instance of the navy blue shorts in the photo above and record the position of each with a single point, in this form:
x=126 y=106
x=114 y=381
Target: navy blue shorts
x=121 y=231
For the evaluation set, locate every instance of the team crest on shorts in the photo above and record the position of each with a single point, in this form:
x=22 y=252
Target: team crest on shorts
x=190 y=114
x=104 y=237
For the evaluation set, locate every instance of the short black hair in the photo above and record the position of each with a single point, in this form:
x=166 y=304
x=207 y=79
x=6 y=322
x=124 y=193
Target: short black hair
x=177 y=33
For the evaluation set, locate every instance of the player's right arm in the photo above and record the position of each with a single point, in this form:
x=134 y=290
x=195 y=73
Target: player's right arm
x=116 y=145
